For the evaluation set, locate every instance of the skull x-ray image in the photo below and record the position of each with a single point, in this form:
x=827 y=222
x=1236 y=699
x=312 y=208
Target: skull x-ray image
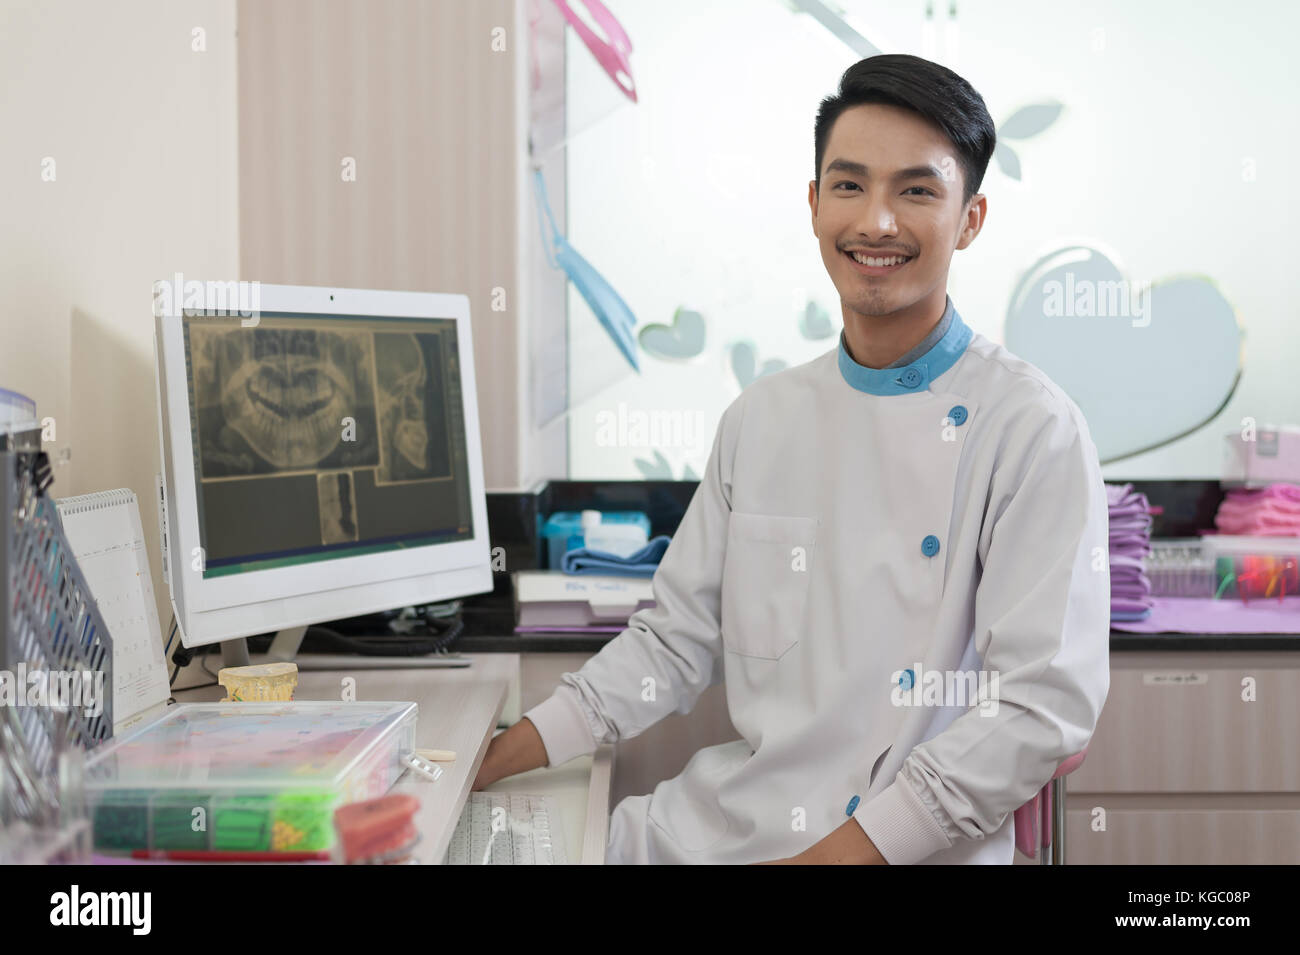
x=412 y=441
x=273 y=400
x=338 y=507
x=325 y=435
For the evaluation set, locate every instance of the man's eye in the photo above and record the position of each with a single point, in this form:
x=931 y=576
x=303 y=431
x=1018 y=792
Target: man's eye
x=924 y=190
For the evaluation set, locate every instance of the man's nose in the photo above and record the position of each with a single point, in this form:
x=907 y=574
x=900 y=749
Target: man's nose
x=876 y=216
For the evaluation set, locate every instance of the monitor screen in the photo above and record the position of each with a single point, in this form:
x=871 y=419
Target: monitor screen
x=317 y=437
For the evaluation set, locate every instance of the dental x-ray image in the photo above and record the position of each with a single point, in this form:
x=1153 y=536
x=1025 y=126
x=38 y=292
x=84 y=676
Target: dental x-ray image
x=338 y=507
x=412 y=433
x=317 y=434
x=278 y=400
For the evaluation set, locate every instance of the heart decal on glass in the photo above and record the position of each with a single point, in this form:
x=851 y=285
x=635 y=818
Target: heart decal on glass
x=682 y=339
x=1146 y=363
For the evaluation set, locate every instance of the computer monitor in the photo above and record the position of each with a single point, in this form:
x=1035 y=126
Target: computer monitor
x=321 y=454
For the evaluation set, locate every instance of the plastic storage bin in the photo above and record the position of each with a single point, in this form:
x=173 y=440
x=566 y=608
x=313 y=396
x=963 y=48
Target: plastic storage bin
x=1254 y=567
x=1180 y=568
x=1274 y=455
x=563 y=531
x=245 y=777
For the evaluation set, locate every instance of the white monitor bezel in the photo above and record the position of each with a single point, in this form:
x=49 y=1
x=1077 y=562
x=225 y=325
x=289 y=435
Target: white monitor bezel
x=258 y=601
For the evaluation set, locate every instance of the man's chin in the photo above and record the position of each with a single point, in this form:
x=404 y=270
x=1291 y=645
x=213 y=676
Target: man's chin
x=872 y=307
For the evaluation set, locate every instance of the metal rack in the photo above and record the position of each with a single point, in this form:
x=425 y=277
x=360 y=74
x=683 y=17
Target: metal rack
x=49 y=625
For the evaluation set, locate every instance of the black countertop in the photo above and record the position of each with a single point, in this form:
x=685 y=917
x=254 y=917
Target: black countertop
x=516 y=518
x=1119 y=642
x=1122 y=640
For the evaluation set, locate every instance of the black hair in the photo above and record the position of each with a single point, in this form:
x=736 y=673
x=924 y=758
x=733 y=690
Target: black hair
x=933 y=91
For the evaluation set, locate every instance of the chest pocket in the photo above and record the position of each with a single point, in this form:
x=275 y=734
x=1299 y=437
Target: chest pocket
x=765 y=582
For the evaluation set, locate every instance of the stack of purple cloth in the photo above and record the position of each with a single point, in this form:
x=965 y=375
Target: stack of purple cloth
x=1130 y=542
x=1272 y=511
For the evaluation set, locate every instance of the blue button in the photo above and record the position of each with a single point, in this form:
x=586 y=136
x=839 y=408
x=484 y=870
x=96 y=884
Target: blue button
x=907 y=680
x=930 y=546
x=910 y=378
x=958 y=415
x=853 y=804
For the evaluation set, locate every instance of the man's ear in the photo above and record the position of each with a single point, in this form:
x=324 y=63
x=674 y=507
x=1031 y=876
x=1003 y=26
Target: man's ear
x=812 y=203
x=973 y=221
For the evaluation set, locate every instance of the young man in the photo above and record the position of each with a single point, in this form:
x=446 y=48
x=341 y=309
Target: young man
x=917 y=504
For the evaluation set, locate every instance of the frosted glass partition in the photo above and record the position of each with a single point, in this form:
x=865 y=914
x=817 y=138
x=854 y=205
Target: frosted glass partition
x=1144 y=149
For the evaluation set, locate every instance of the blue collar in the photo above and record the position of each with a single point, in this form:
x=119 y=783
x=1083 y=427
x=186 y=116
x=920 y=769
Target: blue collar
x=912 y=378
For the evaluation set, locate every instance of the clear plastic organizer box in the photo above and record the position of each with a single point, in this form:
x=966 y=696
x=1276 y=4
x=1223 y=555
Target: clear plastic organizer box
x=245 y=777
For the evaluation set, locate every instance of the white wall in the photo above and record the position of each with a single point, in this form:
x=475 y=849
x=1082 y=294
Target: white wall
x=427 y=98
x=142 y=131
x=145 y=133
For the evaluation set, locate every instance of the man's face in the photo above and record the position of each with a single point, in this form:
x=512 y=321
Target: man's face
x=890 y=185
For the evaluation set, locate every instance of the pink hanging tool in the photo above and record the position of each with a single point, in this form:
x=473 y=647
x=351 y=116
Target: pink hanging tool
x=613 y=58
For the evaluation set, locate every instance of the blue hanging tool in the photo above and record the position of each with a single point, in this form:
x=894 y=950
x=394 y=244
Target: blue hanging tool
x=609 y=307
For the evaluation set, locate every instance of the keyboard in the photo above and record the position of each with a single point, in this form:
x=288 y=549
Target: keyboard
x=507 y=829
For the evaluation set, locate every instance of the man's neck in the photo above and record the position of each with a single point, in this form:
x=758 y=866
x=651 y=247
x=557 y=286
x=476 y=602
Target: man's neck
x=876 y=341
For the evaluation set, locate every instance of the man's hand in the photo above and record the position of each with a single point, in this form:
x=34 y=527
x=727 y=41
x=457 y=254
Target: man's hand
x=517 y=750
x=847 y=845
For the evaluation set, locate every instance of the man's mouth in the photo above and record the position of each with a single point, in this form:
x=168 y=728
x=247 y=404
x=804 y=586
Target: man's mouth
x=877 y=264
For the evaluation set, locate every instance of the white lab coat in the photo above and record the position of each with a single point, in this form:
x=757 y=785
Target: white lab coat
x=805 y=574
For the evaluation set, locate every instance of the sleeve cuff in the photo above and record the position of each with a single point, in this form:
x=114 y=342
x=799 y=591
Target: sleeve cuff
x=562 y=727
x=903 y=830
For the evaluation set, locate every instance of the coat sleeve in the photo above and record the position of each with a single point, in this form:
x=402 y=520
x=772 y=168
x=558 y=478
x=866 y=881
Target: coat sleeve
x=670 y=653
x=1042 y=626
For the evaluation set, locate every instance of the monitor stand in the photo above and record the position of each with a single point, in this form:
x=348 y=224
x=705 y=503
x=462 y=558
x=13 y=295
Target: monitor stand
x=284 y=647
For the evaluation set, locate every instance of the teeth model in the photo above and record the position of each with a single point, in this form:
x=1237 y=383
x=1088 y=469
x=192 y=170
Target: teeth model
x=289 y=408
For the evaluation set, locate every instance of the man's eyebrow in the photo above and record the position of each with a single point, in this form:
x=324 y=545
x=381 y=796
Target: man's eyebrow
x=928 y=171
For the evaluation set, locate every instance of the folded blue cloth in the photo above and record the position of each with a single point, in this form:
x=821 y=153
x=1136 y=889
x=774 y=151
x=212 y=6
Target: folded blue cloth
x=1126 y=616
x=584 y=560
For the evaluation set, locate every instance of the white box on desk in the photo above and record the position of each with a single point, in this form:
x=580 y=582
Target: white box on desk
x=546 y=598
x=1272 y=456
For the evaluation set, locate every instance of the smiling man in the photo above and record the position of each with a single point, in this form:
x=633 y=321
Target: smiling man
x=915 y=501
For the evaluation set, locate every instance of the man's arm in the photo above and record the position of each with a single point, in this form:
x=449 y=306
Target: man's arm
x=662 y=662
x=515 y=751
x=1042 y=626
x=847 y=845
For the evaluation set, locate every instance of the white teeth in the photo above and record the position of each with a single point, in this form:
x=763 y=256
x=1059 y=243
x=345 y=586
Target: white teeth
x=877 y=263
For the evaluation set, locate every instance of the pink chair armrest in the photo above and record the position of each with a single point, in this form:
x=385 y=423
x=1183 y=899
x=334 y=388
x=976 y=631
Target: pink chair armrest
x=1071 y=764
x=1026 y=823
x=1028 y=818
